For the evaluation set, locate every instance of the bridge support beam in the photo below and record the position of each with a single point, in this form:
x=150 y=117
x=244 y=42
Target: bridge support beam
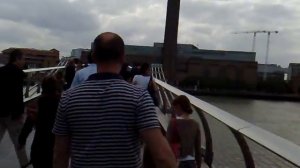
x=249 y=162
x=209 y=155
x=169 y=51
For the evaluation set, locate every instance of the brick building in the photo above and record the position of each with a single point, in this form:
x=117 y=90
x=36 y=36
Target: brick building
x=35 y=58
x=294 y=77
x=273 y=71
x=81 y=54
x=212 y=72
x=192 y=62
x=231 y=66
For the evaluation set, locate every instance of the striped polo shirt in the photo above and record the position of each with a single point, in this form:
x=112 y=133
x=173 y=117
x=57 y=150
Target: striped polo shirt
x=104 y=118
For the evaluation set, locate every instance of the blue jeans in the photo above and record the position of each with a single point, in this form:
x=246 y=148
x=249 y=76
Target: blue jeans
x=187 y=164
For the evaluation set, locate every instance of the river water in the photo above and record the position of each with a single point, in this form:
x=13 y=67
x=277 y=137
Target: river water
x=279 y=117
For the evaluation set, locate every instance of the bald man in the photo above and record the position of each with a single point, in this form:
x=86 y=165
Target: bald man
x=102 y=121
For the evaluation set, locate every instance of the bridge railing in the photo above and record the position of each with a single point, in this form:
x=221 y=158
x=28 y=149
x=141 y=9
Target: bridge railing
x=32 y=87
x=247 y=145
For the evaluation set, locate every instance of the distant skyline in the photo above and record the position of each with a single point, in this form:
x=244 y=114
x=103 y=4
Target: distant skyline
x=208 y=24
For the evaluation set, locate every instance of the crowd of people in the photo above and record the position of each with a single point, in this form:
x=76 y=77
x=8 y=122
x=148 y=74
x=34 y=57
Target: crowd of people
x=97 y=116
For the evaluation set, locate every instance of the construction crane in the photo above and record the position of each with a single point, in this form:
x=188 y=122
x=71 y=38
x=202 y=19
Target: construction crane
x=267 y=53
x=254 y=36
x=253 y=45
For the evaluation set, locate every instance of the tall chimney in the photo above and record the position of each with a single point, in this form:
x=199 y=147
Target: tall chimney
x=169 y=52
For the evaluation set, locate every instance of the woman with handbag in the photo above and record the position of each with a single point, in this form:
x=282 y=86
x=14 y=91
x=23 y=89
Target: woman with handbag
x=184 y=134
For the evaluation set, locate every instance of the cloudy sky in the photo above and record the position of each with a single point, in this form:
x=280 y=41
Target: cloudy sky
x=67 y=24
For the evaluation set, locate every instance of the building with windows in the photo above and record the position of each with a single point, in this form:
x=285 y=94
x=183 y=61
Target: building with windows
x=234 y=67
x=293 y=70
x=34 y=58
x=273 y=71
x=81 y=54
x=294 y=77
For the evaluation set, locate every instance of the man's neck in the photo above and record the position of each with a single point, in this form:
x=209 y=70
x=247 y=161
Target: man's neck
x=109 y=68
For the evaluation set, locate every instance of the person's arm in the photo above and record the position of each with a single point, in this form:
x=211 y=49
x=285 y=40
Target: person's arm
x=159 y=148
x=150 y=132
x=61 y=152
x=134 y=82
x=198 y=147
x=170 y=131
x=61 y=130
x=19 y=102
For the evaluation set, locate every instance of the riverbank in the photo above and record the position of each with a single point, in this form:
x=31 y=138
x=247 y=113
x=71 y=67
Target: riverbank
x=245 y=95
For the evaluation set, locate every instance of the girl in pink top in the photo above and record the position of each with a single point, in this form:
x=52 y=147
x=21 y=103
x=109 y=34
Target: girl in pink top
x=184 y=135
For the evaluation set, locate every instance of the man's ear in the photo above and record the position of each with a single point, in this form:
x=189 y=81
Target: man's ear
x=122 y=59
x=94 y=57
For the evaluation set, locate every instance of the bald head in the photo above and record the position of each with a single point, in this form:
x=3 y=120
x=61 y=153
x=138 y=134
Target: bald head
x=108 y=48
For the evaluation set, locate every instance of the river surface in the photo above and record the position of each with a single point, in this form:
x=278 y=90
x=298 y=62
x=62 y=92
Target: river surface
x=279 y=117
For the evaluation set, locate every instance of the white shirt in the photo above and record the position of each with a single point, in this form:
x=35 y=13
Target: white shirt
x=83 y=74
x=187 y=158
x=141 y=81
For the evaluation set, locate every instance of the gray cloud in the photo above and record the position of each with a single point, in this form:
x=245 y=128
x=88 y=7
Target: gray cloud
x=67 y=24
x=56 y=15
x=210 y=25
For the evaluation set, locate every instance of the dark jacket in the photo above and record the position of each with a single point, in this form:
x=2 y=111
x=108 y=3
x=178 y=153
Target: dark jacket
x=43 y=141
x=11 y=91
x=69 y=76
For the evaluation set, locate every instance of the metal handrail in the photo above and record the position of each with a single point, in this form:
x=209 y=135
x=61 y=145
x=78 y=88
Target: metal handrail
x=42 y=69
x=157 y=72
x=37 y=86
x=277 y=145
x=31 y=97
x=33 y=87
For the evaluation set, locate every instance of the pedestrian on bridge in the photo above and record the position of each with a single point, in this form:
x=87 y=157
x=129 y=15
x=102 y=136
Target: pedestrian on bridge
x=11 y=103
x=43 y=141
x=126 y=72
x=70 y=73
x=83 y=74
x=145 y=81
x=184 y=134
x=100 y=123
x=59 y=76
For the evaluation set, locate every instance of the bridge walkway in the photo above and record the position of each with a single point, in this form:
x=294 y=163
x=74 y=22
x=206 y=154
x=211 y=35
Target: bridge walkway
x=227 y=140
